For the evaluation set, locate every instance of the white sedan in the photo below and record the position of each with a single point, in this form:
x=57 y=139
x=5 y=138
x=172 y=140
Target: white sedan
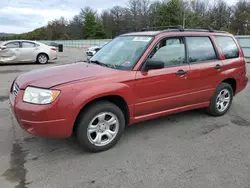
x=94 y=49
x=25 y=51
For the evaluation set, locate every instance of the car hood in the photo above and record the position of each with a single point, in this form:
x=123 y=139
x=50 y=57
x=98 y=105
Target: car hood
x=93 y=47
x=53 y=76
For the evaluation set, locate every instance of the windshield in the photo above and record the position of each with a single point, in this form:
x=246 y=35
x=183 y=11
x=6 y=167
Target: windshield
x=122 y=52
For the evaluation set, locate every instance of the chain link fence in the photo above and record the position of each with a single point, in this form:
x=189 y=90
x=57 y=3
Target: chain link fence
x=77 y=43
x=244 y=41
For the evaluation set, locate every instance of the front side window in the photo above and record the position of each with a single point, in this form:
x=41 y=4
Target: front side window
x=122 y=52
x=12 y=45
x=228 y=46
x=28 y=45
x=169 y=51
x=200 y=49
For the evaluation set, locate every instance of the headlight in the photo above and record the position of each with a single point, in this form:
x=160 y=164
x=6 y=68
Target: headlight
x=40 y=96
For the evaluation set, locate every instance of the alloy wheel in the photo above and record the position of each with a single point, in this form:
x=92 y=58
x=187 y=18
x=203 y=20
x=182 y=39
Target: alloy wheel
x=103 y=129
x=223 y=100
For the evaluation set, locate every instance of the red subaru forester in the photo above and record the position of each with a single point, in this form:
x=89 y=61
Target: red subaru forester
x=135 y=77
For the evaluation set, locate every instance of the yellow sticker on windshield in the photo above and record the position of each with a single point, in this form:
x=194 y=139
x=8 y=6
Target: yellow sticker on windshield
x=142 y=39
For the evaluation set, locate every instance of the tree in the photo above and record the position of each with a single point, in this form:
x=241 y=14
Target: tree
x=99 y=31
x=92 y=28
x=220 y=15
x=118 y=13
x=56 y=29
x=139 y=13
x=241 y=17
x=154 y=14
x=75 y=27
x=85 y=11
x=89 y=24
x=108 y=22
x=198 y=14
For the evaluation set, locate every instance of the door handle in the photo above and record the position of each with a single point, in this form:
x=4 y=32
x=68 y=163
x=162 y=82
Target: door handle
x=218 y=67
x=181 y=72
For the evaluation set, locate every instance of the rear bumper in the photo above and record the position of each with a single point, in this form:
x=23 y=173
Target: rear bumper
x=241 y=84
x=40 y=120
x=53 y=55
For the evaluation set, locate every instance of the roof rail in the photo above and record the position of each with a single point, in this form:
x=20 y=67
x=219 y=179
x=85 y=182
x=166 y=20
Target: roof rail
x=179 y=27
x=204 y=30
x=210 y=29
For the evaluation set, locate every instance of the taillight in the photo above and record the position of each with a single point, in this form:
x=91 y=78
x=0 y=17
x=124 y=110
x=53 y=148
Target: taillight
x=54 y=49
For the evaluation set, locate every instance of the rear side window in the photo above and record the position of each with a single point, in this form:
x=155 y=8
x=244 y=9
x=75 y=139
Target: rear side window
x=228 y=46
x=28 y=45
x=200 y=49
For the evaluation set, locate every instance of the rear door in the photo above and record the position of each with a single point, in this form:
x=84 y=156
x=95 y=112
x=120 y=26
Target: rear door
x=11 y=53
x=28 y=51
x=205 y=68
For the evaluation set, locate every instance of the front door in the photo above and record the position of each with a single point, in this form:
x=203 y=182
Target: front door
x=11 y=52
x=158 y=90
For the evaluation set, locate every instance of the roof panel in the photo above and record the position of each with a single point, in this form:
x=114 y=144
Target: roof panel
x=143 y=33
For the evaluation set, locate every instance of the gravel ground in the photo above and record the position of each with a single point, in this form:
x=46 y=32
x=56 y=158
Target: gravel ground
x=189 y=150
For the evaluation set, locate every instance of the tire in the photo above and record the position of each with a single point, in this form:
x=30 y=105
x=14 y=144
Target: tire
x=98 y=115
x=219 y=110
x=42 y=58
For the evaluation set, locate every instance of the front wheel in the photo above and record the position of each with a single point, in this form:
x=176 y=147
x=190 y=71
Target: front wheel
x=100 y=126
x=221 y=101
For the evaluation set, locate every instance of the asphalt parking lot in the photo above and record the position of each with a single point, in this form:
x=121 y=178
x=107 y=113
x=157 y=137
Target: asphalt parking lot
x=189 y=150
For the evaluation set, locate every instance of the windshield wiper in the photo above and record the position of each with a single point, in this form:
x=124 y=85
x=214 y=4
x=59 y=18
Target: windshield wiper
x=99 y=63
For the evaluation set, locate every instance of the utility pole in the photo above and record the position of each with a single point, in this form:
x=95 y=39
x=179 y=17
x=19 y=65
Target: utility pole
x=184 y=14
x=184 y=19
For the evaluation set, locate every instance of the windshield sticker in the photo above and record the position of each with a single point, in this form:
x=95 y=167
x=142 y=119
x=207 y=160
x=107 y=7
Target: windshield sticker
x=126 y=63
x=142 y=39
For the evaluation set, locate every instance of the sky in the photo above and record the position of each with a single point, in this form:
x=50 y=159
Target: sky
x=18 y=16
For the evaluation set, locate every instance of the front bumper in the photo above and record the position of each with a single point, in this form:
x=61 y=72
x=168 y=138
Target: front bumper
x=91 y=52
x=41 y=120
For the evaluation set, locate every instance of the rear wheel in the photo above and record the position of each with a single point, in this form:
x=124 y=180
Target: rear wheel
x=221 y=101
x=100 y=127
x=42 y=58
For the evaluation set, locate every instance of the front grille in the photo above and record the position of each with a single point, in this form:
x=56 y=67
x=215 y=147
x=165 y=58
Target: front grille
x=89 y=53
x=15 y=89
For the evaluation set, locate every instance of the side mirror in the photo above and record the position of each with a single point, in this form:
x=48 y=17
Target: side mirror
x=153 y=64
x=2 y=47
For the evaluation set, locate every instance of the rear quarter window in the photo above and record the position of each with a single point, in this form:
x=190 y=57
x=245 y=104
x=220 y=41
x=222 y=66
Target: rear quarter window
x=228 y=46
